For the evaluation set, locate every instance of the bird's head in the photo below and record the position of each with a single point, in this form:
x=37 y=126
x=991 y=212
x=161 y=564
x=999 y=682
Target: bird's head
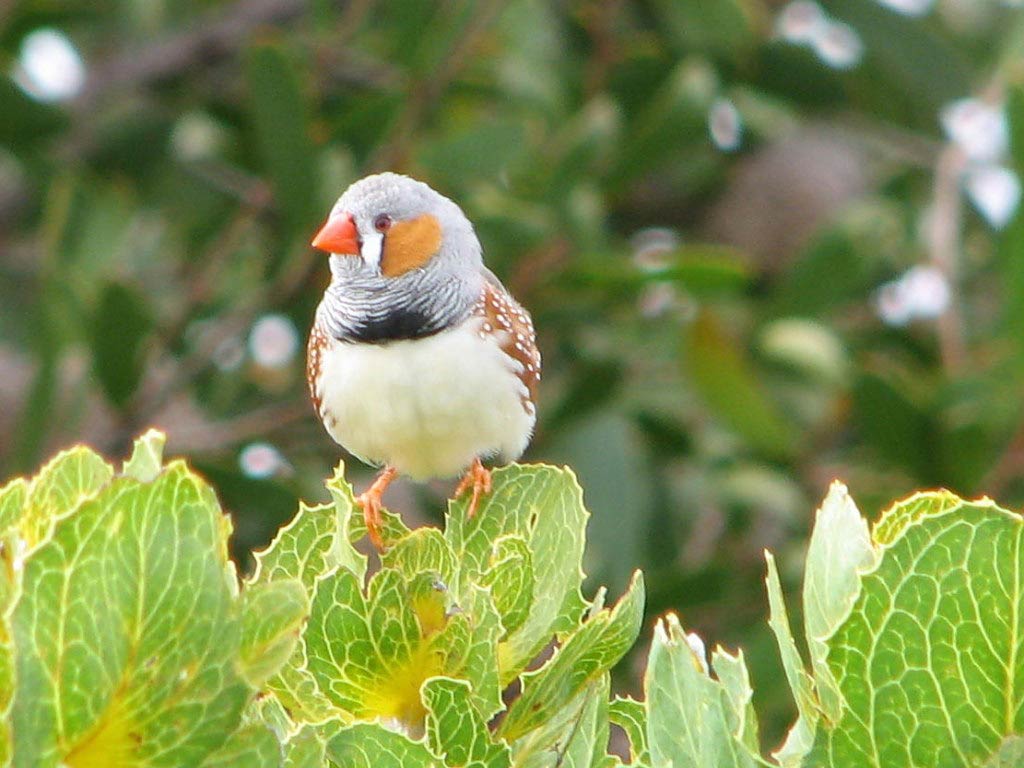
x=394 y=225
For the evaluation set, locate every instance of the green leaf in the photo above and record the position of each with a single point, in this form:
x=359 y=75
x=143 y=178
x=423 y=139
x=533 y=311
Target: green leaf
x=589 y=652
x=1011 y=239
x=1009 y=755
x=125 y=629
x=371 y=653
x=588 y=742
x=839 y=552
x=147 y=457
x=704 y=270
x=422 y=551
x=279 y=115
x=68 y=480
x=456 y=730
x=800 y=738
x=368 y=745
x=723 y=376
x=674 y=115
x=267 y=710
x=121 y=324
x=272 y=615
x=898 y=428
x=306 y=749
x=253 y=746
x=928 y=666
x=735 y=680
x=631 y=716
x=510 y=580
x=13 y=498
x=575 y=735
x=542 y=505
x=692 y=719
x=316 y=542
x=481 y=663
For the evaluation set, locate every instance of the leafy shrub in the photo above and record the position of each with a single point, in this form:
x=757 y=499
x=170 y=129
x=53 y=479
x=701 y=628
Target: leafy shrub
x=127 y=638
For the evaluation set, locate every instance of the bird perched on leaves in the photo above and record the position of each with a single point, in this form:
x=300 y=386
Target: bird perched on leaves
x=419 y=360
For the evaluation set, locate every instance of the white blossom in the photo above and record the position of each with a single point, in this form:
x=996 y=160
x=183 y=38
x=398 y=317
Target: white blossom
x=839 y=45
x=909 y=7
x=995 y=192
x=273 y=341
x=977 y=127
x=921 y=293
x=801 y=22
x=725 y=125
x=261 y=460
x=700 y=653
x=49 y=67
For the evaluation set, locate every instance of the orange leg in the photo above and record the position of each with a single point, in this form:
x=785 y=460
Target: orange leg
x=370 y=501
x=477 y=477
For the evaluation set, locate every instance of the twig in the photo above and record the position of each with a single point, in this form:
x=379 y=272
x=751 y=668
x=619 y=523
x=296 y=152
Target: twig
x=215 y=435
x=943 y=235
x=207 y=41
x=427 y=91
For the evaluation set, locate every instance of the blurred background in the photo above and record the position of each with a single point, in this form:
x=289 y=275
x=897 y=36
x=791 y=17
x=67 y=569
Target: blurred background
x=765 y=244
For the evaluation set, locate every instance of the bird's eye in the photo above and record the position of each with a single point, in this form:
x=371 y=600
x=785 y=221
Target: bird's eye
x=382 y=223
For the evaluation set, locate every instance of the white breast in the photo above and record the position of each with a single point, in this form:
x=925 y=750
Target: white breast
x=427 y=406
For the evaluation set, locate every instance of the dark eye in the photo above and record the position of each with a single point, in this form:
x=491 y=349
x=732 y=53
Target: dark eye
x=382 y=223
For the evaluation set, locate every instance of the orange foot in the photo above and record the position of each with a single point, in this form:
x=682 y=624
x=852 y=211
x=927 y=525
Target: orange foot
x=477 y=477
x=370 y=501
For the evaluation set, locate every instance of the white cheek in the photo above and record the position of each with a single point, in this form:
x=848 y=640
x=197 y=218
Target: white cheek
x=373 y=243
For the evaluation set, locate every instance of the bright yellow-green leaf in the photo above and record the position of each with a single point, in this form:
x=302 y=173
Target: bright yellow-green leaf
x=693 y=720
x=371 y=653
x=456 y=729
x=69 y=479
x=126 y=631
x=631 y=716
x=928 y=664
x=587 y=653
x=316 y=542
x=272 y=616
x=254 y=746
x=147 y=457
x=369 y=745
x=801 y=736
x=542 y=505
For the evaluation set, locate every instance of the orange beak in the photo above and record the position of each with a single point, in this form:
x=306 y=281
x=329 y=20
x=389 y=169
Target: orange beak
x=338 y=236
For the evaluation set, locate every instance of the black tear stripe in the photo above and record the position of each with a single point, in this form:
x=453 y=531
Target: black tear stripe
x=400 y=324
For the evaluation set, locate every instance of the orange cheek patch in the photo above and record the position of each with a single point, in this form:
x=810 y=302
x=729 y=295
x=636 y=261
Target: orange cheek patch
x=410 y=244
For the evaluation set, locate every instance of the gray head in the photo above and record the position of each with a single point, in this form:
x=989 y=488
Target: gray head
x=405 y=261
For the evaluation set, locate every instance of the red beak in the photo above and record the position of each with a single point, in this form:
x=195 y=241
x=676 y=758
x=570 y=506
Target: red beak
x=338 y=236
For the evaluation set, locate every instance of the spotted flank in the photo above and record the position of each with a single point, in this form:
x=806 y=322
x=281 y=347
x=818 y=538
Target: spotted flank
x=510 y=325
x=314 y=360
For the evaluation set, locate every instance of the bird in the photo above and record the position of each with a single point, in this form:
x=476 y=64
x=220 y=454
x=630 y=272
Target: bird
x=419 y=360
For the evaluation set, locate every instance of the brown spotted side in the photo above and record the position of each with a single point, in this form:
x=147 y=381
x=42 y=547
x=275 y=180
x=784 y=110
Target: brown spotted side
x=510 y=325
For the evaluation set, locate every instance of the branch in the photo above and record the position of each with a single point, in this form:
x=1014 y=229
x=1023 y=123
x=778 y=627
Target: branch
x=208 y=40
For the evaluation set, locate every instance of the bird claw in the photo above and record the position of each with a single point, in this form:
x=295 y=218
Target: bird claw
x=477 y=477
x=370 y=501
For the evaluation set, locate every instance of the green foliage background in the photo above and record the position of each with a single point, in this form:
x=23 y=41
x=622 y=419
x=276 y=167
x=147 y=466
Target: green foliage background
x=705 y=401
